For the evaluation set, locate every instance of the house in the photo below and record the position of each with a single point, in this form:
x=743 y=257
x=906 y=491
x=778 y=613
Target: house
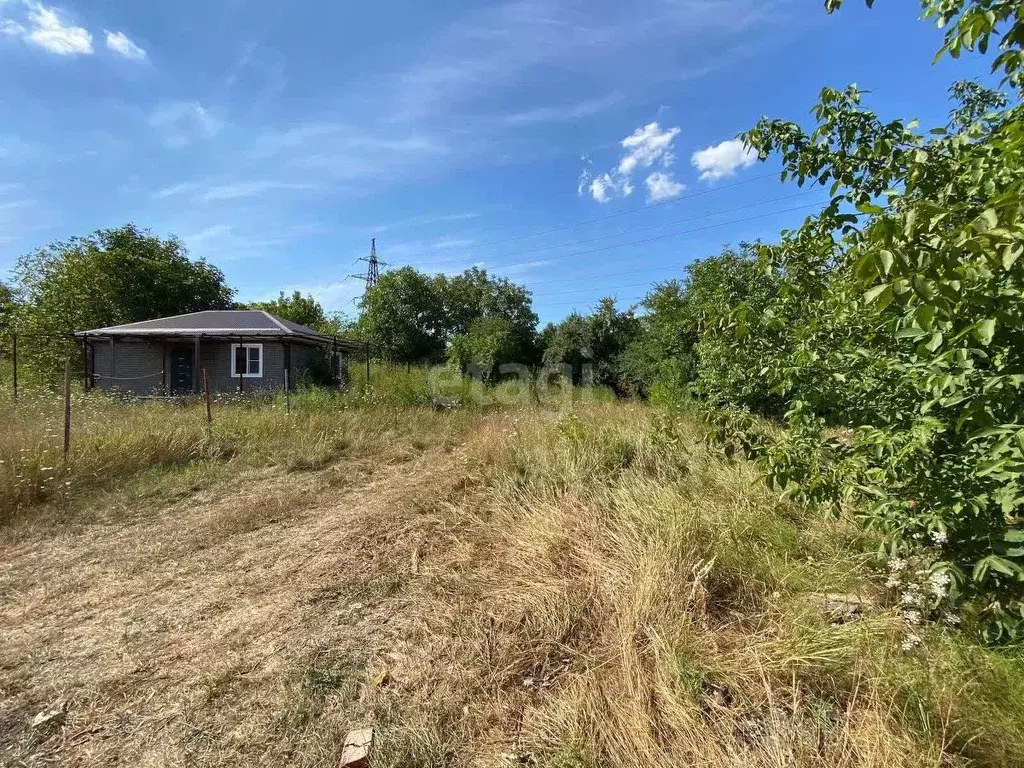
x=239 y=351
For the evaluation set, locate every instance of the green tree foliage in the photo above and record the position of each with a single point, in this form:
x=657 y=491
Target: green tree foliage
x=490 y=317
x=411 y=317
x=490 y=343
x=403 y=318
x=899 y=316
x=304 y=310
x=599 y=340
x=660 y=359
x=113 y=276
x=680 y=350
x=8 y=307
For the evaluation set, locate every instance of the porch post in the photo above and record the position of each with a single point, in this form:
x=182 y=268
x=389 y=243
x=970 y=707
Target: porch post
x=163 y=367
x=113 y=368
x=241 y=371
x=195 y=367
x=85 y=362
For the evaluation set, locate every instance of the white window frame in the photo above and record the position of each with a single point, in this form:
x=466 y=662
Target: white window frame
x=234 y=360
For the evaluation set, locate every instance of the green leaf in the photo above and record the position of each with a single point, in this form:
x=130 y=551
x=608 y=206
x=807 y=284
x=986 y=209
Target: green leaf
x=1010 y=255
x=988 y=219
x=873 y=294
x=925 y=316
x=985 y=330
x=885 y=258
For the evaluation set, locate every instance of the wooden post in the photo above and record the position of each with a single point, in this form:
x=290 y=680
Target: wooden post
x=67 y=410
x=206 y=394
x=287 y=392
x=14 y=357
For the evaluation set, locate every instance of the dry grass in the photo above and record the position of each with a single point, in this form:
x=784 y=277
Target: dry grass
x=515 y=588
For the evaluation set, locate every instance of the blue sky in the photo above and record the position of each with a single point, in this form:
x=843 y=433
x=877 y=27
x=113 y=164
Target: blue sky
x=582 y=148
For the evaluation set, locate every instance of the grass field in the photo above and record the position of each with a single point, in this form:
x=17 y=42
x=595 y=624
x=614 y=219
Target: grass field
x=577 y=586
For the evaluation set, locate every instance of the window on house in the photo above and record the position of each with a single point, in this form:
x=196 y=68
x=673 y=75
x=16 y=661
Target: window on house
x=247 y=359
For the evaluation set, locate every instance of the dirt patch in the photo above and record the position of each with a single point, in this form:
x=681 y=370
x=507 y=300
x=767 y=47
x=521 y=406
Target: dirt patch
x=231 y=627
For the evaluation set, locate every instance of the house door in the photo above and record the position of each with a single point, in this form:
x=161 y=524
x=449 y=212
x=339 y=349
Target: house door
x=181 y=370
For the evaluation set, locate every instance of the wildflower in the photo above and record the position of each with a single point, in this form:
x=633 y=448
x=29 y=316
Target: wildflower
x=939 y=537
x=951 y=619
x=939 y=582
x=911 y=641
x=897 y=564
x=912 y=617
x=893 y=582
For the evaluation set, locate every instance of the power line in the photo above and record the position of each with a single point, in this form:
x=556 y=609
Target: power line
x=597 y=287
x=633 y=229
x=576 y=303
x=676 y=234
x=631 y=211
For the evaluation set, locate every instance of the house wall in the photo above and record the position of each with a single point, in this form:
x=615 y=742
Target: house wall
x=215 y=356
x=139 y=366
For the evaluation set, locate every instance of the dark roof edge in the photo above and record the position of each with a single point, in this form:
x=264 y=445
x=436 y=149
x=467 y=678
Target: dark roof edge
x=225 y=334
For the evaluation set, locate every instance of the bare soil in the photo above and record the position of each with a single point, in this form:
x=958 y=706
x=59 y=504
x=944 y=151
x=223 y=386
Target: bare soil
x=252 y=624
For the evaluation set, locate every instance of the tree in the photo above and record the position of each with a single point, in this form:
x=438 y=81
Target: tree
x=8 y=307
x=411 y=317
x=908 y=286
x=474 y=295
x=113 y=276
x=403 y=318
x=598 y=340
x=304 y=310
x=661 y=357
x=490 y=343
x=571 y=343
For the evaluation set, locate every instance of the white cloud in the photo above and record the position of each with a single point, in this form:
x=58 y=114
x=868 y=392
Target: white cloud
x=661 y=186
x=722 y=160
x=119 y=43
x=182 y=122
x=244 y=189
x=647 y=146
x=176 y=189
x=563 y=114
x=427 y=219
x=605 y=187
x=46 y=29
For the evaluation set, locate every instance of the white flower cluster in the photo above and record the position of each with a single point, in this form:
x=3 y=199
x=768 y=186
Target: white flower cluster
x=922 y=591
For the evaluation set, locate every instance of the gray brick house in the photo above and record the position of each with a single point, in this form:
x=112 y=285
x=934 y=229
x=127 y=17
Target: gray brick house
x=240 y=351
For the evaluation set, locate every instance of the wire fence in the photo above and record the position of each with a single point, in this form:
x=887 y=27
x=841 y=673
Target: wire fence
x=41 y=359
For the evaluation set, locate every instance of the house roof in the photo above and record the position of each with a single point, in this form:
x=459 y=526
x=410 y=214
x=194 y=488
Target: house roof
x=226 y=323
